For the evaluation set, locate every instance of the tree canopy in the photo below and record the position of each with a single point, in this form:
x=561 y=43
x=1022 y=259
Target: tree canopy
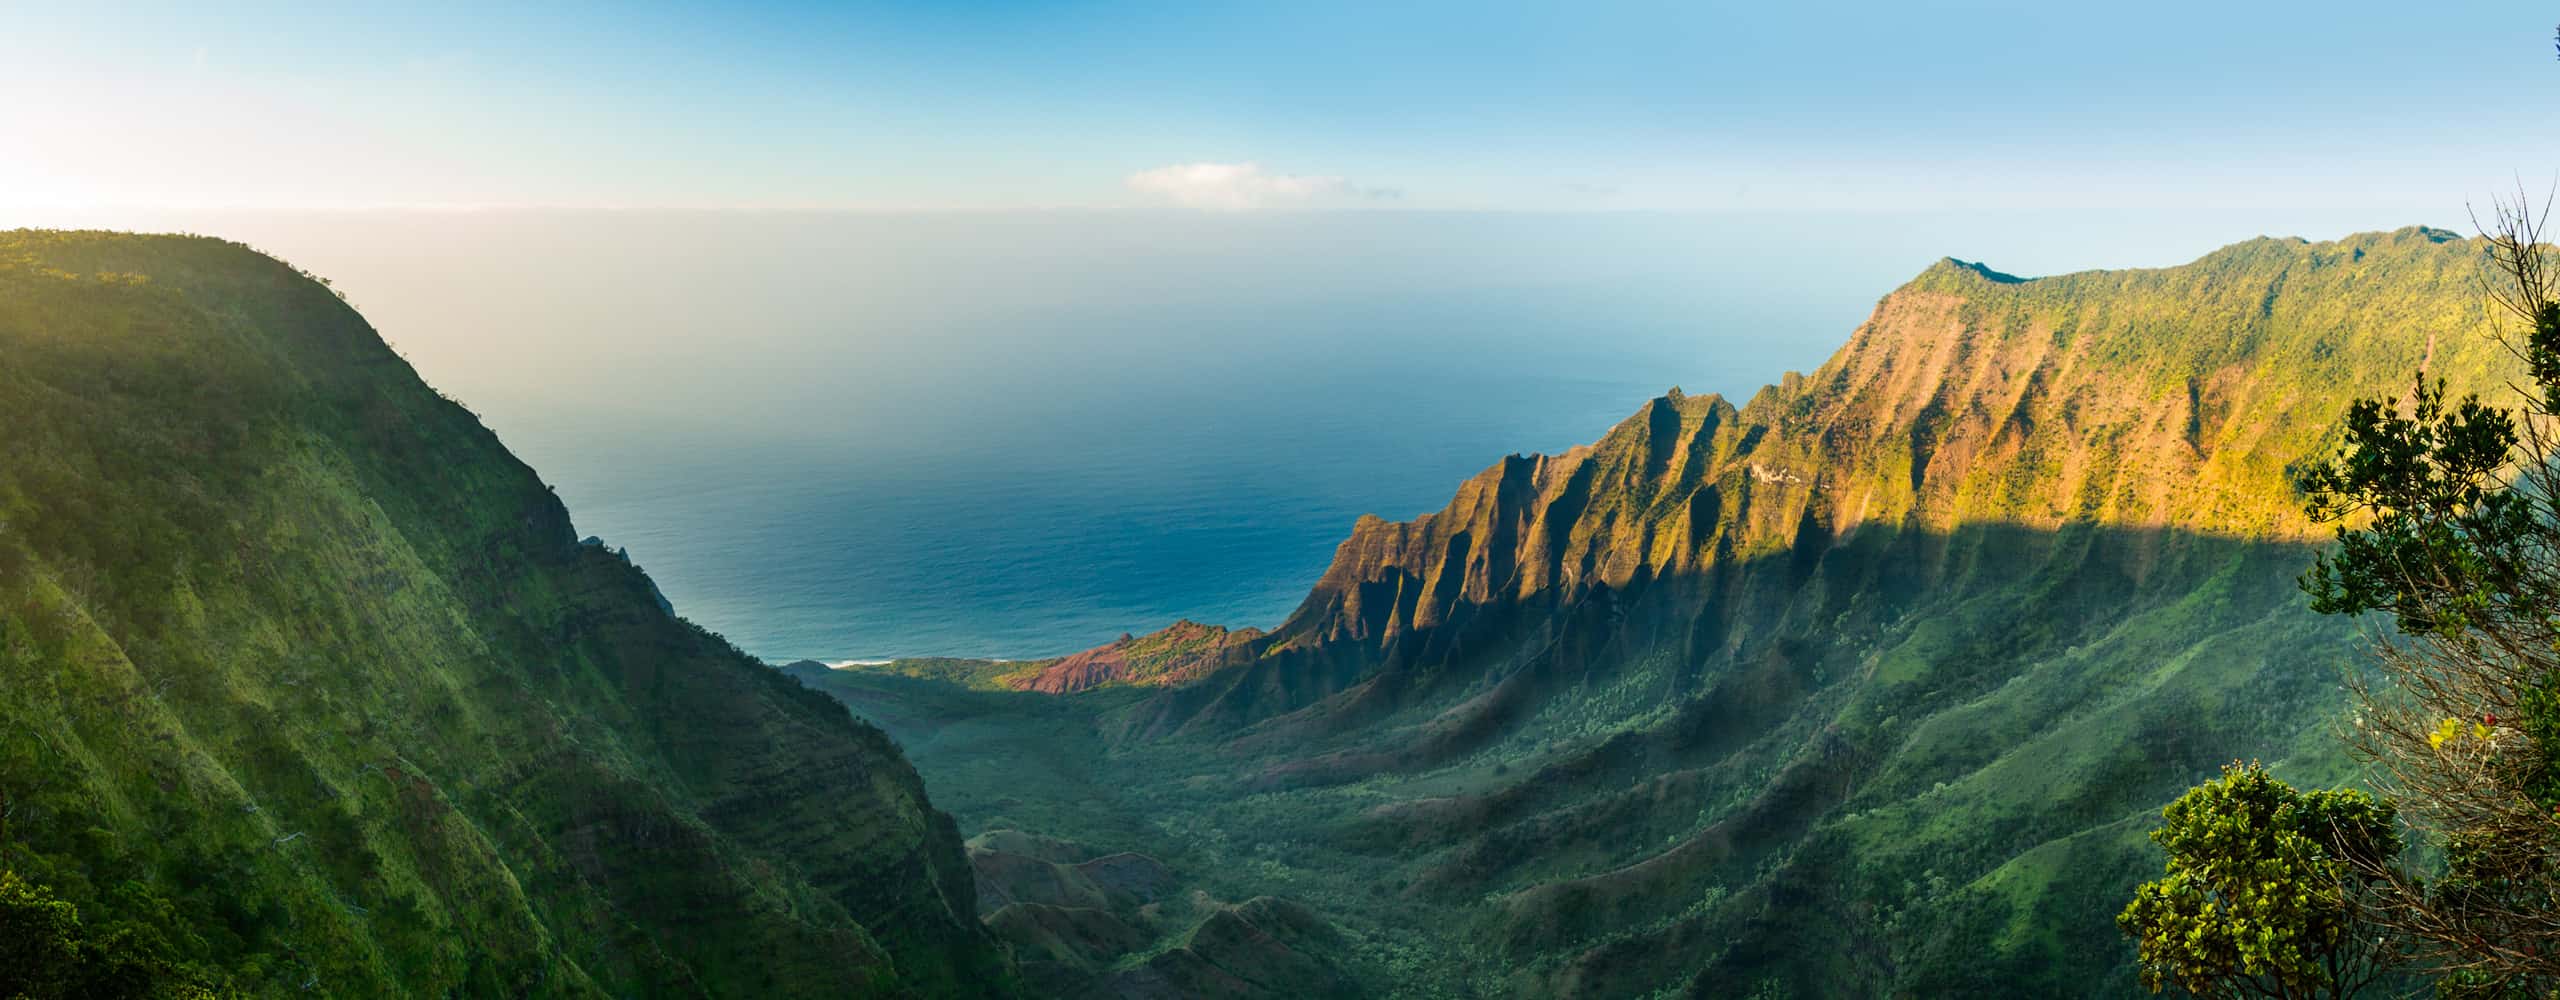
x=2447 y=524
x=2263 y=890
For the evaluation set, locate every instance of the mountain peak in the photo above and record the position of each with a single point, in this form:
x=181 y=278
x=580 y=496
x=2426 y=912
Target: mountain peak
x=2148 y=399
x=1976 y=269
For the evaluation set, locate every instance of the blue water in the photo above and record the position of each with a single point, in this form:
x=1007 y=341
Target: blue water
x=854 y=437
x=1061 y=527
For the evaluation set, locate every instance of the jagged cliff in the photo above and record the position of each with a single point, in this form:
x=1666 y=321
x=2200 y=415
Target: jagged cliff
x=2169 y=400
x=1176 y=653
x=1868 y=686
x=308 y=688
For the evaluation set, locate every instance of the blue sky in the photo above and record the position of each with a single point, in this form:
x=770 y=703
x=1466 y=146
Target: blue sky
x=2381 y=111
x=1248 y=229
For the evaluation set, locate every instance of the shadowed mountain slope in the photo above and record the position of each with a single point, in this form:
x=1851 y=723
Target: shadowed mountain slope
x=1871 y=685
x=2171 y=398
x=307 y=684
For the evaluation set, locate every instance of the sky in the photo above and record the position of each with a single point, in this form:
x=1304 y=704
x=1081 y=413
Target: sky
x=987 y=280
x=2344 y=115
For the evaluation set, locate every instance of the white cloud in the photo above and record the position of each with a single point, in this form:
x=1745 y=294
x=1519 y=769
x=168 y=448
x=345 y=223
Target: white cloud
x=1243 y=187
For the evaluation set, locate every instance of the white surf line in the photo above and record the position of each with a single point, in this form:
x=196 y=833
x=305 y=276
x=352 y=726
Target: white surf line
x=850 y=664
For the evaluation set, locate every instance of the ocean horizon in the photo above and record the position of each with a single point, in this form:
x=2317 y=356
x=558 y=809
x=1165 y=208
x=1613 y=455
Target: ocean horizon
x=1014 y=436
x=1122 y=522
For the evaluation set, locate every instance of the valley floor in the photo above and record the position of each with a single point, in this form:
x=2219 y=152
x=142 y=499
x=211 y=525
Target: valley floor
x=1917 y=802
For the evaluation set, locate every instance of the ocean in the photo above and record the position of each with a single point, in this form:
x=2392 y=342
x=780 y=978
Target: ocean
x=1056 y=526
x=842 y=436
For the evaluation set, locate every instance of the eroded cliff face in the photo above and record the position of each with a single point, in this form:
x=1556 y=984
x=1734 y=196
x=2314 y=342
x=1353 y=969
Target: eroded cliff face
x=1176 y=653
x=2171 y=400
x=1599 y=515
x=1877 y=669
x=1869 y=686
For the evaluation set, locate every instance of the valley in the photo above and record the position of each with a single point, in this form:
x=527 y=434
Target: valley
x=1312 y=501
x=1873 y=684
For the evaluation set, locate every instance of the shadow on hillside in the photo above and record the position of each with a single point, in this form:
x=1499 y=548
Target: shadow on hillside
x=1841 y=765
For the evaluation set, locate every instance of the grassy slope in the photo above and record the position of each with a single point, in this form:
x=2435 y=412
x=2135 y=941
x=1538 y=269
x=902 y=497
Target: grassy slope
x=1872 y=685
x=303 y=673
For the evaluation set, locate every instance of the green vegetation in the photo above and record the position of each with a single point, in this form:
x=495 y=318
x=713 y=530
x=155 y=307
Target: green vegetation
x=47 y=951
x=1870 y=686
x=2447 y=522
x=2263 y=890
x=1171 y=655
x=307 y=687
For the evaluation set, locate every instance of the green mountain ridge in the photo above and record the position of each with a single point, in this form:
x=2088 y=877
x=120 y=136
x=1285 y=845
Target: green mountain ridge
x=310 y=688
x=1868 y=686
